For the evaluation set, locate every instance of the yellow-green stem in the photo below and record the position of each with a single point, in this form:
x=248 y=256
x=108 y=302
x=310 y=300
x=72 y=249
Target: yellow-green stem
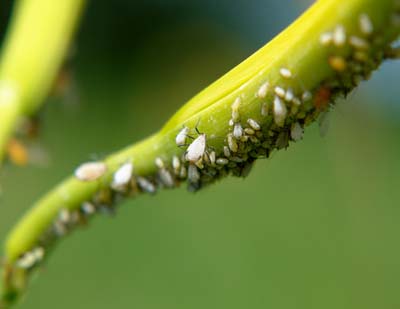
x=35 y=45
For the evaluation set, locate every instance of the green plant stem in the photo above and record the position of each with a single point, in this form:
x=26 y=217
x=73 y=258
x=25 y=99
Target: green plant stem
x=35 y=45
x=304 y=53
x=297 y=48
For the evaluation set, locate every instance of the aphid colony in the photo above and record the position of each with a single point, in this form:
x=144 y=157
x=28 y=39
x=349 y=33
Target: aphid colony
x=283 y=114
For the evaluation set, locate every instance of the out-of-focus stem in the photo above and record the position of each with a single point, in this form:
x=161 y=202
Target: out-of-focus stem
x=36 y=43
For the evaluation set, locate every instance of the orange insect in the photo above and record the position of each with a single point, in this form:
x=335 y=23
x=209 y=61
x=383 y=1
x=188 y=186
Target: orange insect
x=17 y=152
x=322 y=98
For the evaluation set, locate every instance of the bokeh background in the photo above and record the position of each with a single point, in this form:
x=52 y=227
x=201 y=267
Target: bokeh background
x=317 y=226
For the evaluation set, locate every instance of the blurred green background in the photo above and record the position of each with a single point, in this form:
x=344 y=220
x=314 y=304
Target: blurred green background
x=315 y=227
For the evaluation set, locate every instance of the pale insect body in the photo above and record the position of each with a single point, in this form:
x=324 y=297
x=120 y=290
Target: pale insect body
x=289 y=96
x=146 y=185
x=38 y=253
x=285 y=72
x=64 y=216
x=358 y=42
x=227 y=153
x=235 y=109
x=196 y=149
x=222 y=161
x=122 y=176
x=159 y=162
x=307 y=96
x=88 y=209
x=253 y=124
x=212 y=157
x=26 y=261
x=296 y=132
x=166 y=178
x=263 y=90
x=339 y=36
x=366 y=25
x=296 y=101
x=326 y=38
x=180 y=138
x=237 y=130
x=233 y=146
x=193 y=173
x=264 y=109
x=280 y=111
x=176 y=164
x=31 y=258
x=280 y=92
x=249 y=131
x=90 y=171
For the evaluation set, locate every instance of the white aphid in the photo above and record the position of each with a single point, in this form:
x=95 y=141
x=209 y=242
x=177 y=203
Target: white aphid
x=146 y=185
x=233 y=146
x=193 y=173
x=159 y=162
x=166 y=178
x=183 y=172
x=38 y=254
x=339 y=36
x=307 y=96
x=231 y=122
x=227 y=153
x=64 y=216
x=263 y=90
x=122 y=176
x=59 y=229
x=244 y=138
x=90 y=171
x=285 y=72
x=296 y=101
x=289 y=95
x=237 y=130
x=88 y=208
x=180 y=138
x=222 y=161
x=249 y=131
x=26 y=261
x=176 y=164
x=358 y=42
x=253 y=139
x=326 y=38
x=280 y=111
x=280 y=92
x=264 y=109
x=212 y=157
x=366 y=25
x=196 y=149
x=253 y=124
x=296 y=132
x=235 y=109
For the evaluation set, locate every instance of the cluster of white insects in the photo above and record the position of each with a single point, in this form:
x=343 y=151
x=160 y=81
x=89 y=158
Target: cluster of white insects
x=283 y=114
